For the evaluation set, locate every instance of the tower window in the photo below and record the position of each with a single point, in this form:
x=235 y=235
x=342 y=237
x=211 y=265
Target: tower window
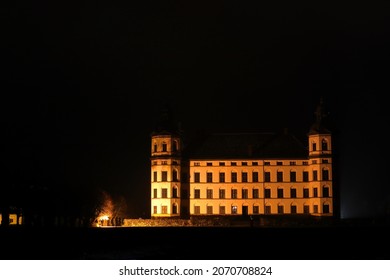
x=155 y=148
x=164 y=147
x=324 y=145
x=164 y=193
x=314 y=146
x=164 y=176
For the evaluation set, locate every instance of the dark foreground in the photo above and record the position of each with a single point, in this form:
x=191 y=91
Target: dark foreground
x=322 y=243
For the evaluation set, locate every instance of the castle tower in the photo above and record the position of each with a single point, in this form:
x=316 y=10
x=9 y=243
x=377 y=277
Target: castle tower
x=320 y=158
x=166 y=150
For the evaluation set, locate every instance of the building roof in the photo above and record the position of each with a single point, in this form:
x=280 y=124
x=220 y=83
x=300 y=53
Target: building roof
x=245 y=145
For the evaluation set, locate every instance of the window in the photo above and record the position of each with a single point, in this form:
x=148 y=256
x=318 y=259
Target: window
x=267 y=176
x=164 y=176
x=209 y=177
x=293 y=176
x=174 y=209
x=325 y=209
x=244 y=193
x=324 y=145
x=305 y=163
x=154 y=209
x=293 y=209
x=209 y=193
x=325 y=174
x=325 y=161
x=314 y=146
x=267 y=209
x=209 y=209
x=222 y=177
x=174 y=162
x=255 y=163
x=197 y=193
x=315 y=209
x=164 y=162
x=196 y=177
x=222 y=210
x=154 y=176
x=267 y=163
x=315 y=192
x=244 y=163
x=222 y=193
x=255 y=209
x=255 y=176
x=255 y=193
x=155 y=148
x=233 y=163
x=154 y=193
x=280 y=209
x=325 y=191
x=314 y=161
x=234 y=177
x=175 y=178
x=293 y=193
x=234 y=209
x=164 y=147
x=315 y=175
x=279 y=177
x=267 y=193
x=280 y=193
x=305 y=176
x=197 y=210
x=234 y=193
x=209 y=164
x=306 y=209
x=164 y=209
x=221 y=164
x=196 y=163
x=175 y=193
x=306 y=193
x=244 y=177
x=164 y=193
x=293 y=163
x=279 y=163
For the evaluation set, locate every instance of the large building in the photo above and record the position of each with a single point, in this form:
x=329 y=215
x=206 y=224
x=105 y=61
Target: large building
x=241 y=173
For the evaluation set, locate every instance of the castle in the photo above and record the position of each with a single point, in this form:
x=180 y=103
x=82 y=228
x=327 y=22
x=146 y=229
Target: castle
x=232 y=174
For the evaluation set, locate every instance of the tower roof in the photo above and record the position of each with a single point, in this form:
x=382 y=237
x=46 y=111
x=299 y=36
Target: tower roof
x=166 y=122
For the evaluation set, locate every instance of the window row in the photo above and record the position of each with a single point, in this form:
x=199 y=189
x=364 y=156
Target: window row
x=268 y=209
x=164 y=147
x=255 y=193
x=244 y=178
x=268 y=177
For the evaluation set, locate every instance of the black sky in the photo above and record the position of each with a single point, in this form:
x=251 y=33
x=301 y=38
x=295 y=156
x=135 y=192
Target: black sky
x=83 y=85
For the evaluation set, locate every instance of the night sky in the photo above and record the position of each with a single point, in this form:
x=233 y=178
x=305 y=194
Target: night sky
x=82 y=87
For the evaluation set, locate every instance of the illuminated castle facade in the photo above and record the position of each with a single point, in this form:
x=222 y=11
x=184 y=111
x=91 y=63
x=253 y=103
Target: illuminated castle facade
x=241 y=173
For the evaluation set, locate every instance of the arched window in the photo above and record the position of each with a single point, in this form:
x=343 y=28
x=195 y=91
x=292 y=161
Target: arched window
x=174 y=208
x=324 y=145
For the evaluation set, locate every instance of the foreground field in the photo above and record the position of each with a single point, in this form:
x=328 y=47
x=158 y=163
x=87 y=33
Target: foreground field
x=342 y=242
